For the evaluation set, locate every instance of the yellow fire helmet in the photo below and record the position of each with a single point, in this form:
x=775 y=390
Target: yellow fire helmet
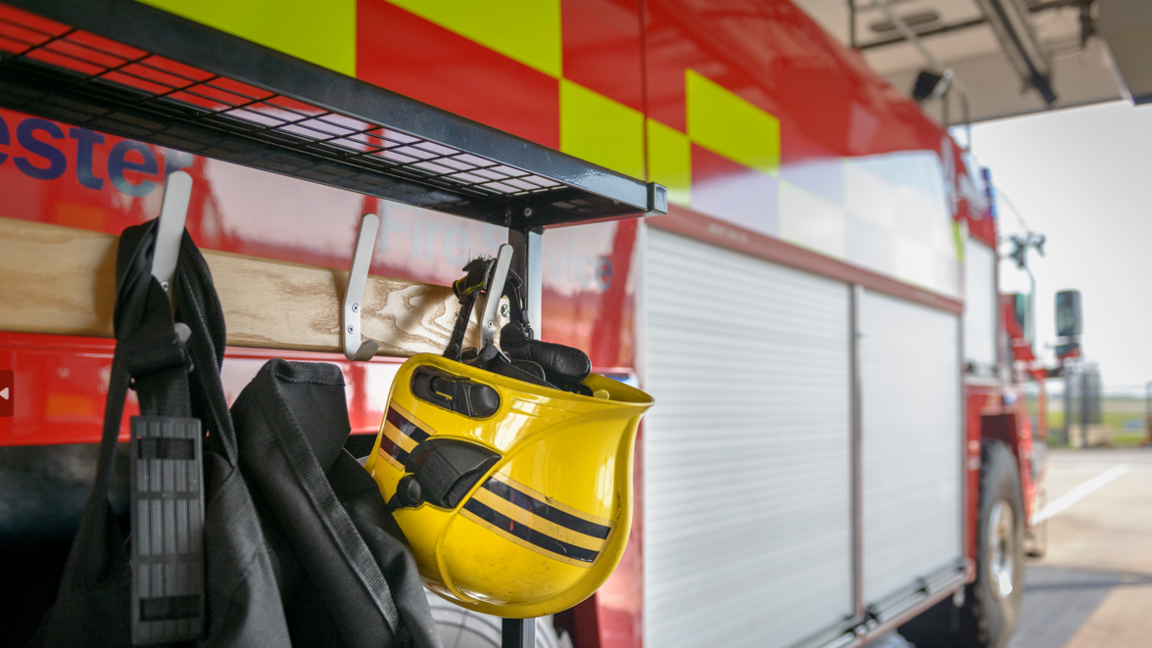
x=514 y=495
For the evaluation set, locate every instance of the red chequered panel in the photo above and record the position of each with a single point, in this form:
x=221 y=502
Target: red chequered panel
x=419 y=59
x=602 y=48
x=773 y=55
x=668 y=53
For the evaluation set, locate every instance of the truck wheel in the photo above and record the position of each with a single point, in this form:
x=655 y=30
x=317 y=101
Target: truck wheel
x=991 y=605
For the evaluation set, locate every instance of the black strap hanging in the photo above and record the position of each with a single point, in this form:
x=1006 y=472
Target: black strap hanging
x=233 y=598
x=519 y=356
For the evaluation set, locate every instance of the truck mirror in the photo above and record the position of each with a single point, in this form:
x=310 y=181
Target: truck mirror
x=1068 y=319
x=1020 y=310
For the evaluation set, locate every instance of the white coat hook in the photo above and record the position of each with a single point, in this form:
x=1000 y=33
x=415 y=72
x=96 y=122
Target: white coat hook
x=169 y=233
x=354 y=347
x=173 y=213
x=495 y=292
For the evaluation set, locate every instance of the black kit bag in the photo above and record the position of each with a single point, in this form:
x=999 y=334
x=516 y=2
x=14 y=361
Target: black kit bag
x=345 y=578
x=327 y=557
x=172 y=378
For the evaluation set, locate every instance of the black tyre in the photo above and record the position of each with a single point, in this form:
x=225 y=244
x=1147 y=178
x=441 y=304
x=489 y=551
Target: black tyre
x=991 y=606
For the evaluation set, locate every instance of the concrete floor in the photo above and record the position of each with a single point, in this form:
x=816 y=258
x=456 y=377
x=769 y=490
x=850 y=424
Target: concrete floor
x=1093 y=587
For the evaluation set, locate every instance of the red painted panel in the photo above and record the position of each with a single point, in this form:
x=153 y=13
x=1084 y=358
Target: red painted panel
x=601 y=40
x=61 y=384
x=982 y=229
x=400 y=51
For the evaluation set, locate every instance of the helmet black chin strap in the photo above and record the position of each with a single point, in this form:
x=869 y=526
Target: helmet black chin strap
x=519 y=356
x=468 y=289
x=517 y=314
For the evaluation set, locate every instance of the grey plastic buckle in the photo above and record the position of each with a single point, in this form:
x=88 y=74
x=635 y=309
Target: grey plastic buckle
x=167 y=500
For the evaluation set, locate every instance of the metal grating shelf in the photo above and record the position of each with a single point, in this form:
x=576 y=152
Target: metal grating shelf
x=55 y=70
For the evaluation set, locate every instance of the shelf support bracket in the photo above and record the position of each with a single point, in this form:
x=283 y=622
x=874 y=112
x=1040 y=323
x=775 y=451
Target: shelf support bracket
x=527 y=262
x=518 y=633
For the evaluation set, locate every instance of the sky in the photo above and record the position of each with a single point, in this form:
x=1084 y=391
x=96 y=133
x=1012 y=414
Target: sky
x=1083 y=178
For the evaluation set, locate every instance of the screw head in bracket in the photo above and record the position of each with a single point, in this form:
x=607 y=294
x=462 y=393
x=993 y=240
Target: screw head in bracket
x=351 y=329
x=505 y=310
x=355 y=308
x=164 y=286
x=528 y=212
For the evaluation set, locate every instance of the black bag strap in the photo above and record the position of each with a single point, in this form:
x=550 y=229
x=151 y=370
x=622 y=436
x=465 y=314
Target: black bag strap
x=199 y=308
x=152 y=349
x=152 y=358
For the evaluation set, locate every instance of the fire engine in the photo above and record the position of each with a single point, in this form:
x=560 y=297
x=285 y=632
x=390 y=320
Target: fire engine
x=842 y=443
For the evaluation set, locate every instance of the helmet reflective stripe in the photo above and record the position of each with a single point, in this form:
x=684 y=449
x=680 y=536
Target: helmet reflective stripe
x=522 y=516
x=400 y=436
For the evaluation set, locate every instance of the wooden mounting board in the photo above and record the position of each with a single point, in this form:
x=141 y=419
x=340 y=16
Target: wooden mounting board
x=62 y=280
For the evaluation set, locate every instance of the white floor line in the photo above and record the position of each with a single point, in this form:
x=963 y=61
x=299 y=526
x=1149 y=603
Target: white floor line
x=1076 y=494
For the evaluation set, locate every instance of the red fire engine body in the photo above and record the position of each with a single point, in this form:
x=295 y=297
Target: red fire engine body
x=791 y=167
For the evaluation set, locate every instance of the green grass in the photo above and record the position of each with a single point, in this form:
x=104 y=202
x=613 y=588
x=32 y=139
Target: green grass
x=1116 y=412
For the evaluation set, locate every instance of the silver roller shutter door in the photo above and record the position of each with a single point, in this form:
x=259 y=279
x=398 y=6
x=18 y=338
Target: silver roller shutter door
x=747 y=452
x=911 y=443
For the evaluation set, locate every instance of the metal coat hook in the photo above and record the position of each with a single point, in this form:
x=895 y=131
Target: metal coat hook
x=495 y=292
x=169 y=233
x=355 y=348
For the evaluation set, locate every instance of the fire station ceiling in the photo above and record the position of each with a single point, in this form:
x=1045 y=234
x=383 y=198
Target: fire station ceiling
x=1013 y=57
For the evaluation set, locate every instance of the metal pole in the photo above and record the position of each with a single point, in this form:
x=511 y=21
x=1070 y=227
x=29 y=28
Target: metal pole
x=852 y=24
x=1084 y=407
x=855 y=333
x=946 y=108
x=527 y=262
x=1069 y=380
x=1030 y=328
x=1148 y=411
x=518 y=633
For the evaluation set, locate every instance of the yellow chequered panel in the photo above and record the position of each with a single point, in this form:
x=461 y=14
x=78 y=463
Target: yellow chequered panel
x=320 y=33
x=600 y=130
x=726 y=124
x=525 y=30
x=958 y=238
x=670 y=161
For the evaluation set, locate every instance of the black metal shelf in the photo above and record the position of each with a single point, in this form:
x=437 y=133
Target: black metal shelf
x=130 y=70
